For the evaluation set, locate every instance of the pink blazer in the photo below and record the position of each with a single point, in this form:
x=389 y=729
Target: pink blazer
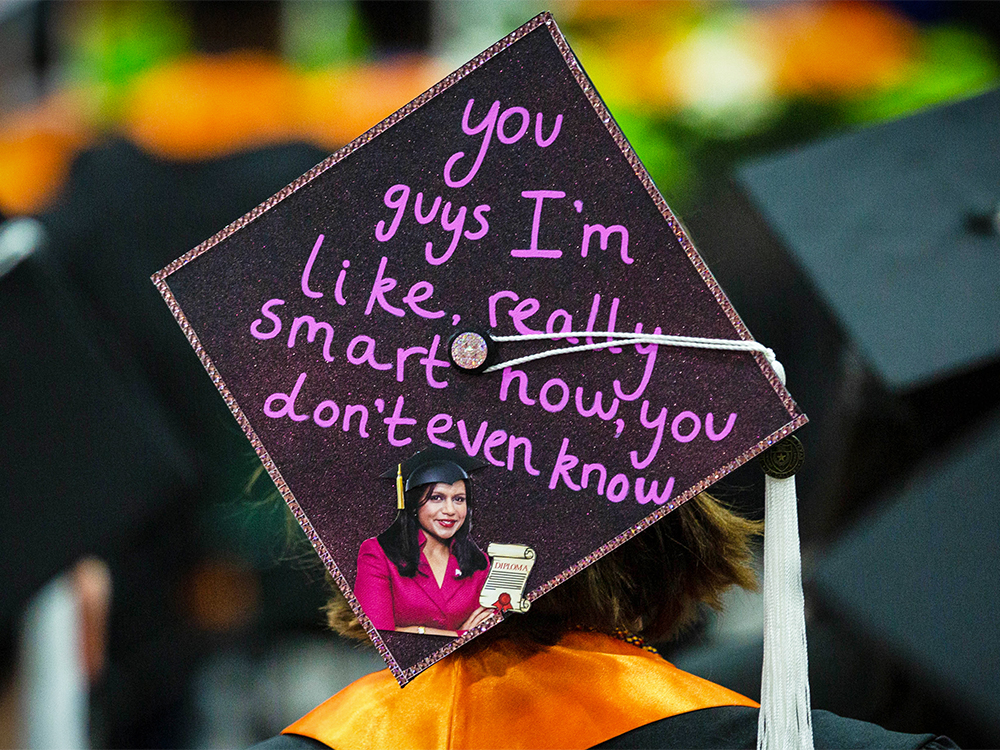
x=391 y=600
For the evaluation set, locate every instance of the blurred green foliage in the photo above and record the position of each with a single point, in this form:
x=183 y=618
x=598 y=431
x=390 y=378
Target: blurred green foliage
x=320 y=35
x=112 y=42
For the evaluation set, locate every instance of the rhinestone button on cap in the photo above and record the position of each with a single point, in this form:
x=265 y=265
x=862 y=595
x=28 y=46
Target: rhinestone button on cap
x=469 y=350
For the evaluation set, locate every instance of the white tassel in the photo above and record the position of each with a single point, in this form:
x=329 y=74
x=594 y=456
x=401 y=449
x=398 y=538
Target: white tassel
x=785 y=713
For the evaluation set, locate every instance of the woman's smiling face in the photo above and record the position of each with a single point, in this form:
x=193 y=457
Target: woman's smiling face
x=443 y=511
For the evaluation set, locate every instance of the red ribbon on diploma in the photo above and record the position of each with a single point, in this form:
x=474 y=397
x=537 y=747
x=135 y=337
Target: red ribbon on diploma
x=503 y=602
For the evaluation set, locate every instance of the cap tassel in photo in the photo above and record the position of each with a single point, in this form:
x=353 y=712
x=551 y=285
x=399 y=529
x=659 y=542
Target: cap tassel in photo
x=785 y=711
x=400 y=497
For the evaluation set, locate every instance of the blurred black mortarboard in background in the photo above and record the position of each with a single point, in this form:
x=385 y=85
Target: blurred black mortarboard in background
x=89 y=453
x=869 y=263
x=918 y=579
x=120 y=215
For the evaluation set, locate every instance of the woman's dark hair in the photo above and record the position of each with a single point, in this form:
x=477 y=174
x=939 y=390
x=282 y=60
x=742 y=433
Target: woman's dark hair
x=400 y=544
x=651 y=586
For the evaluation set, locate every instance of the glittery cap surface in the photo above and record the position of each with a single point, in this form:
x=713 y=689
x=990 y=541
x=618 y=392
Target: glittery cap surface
x=504 y=198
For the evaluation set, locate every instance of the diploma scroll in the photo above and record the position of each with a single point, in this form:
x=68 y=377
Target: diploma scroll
x=509 y=570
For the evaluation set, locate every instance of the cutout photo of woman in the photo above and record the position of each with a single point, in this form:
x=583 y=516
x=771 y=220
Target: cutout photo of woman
x=424 y=573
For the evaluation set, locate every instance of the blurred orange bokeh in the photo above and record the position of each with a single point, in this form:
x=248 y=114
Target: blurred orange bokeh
x=655 y=61
x=204 y=107
x=208 y=106
x=37 y=146
x=837 y=47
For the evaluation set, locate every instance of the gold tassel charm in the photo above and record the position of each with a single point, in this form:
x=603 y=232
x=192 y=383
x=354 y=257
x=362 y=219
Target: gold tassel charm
x=400 y=503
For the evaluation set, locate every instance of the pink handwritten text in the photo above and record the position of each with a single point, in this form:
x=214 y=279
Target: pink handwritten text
x=495 y=121
x=453 y=218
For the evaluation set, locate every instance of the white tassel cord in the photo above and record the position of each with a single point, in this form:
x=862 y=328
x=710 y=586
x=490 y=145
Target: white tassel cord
x=622 y=338
x=785 y=713
x=785 y=721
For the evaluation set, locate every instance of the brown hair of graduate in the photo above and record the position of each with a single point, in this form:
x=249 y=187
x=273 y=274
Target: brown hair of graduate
x=650 y=586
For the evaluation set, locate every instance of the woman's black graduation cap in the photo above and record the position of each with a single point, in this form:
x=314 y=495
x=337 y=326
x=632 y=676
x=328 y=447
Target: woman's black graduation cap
x=435 y=464
x=431 y=465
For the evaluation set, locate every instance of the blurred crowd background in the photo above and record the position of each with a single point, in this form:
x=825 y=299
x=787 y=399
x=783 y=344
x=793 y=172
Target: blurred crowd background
x=154 y=593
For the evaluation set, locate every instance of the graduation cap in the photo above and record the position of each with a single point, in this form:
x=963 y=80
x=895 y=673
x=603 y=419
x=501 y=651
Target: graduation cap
x=71 y=413
x=899 y=235
x=918 y=579
x=430 y=466
x=899 y=240
x=868 y=260
x=489 y=270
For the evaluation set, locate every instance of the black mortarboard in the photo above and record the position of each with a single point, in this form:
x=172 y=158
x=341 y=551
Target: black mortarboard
x=895 y=226
x=88 y=454
x=918 y=579
x=435 y=464
x=504 y=200
x=868 y=261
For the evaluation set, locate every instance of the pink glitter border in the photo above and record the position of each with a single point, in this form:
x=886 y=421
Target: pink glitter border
x=403 y=676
